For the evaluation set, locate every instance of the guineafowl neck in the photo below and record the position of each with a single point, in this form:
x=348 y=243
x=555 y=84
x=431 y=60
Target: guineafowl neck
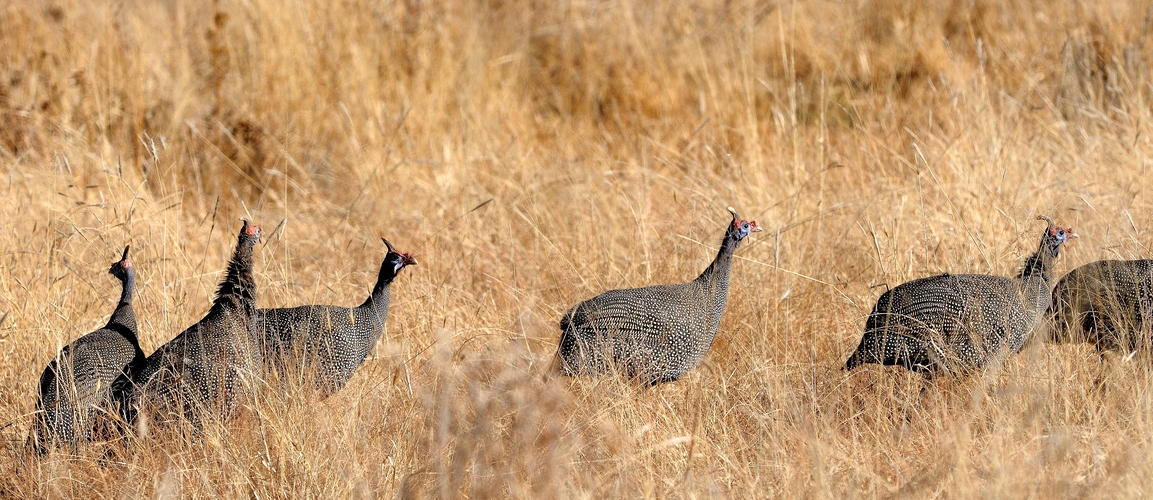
x=716 y=276
x=1038 y=266
x=1034 y=282
x=719 y=269
x=378 y=301
x=238 y=283
x=128 y=286
x=124 y=315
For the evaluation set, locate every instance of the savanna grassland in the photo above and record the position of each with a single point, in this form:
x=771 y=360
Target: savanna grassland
x=534 y=154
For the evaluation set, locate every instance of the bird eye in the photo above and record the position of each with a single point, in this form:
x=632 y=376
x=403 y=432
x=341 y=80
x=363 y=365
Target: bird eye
x=1061 y=232
x=744 y=225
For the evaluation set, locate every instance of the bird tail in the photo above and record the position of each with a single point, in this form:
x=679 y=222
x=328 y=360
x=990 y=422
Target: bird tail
x=853 y=362
x=555 y=367
x=565 y=321
x=557 y=364
x=36 y=438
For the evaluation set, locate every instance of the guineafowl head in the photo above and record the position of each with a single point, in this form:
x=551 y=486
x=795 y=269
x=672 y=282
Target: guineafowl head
x=1054 y=237
x=740 y=227
x=122 y=268
x=395 y=261
x=249 y=233
x=1040 y=264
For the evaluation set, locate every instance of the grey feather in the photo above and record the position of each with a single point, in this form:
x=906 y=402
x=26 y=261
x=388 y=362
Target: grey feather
x=1108 y=303
x=960 y=322
x=76 y=388
x=655 y=333
x=199 y=375
x=329 y=342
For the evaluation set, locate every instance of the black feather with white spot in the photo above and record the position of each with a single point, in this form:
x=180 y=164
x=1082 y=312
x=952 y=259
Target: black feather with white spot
x=960 y=322
x=329 y=342
x=75 y=390
x=656 y=333
x=1108 y=303
x=199 y=375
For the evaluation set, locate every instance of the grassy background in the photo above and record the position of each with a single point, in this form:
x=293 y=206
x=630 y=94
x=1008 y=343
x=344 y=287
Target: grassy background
x=533 y=154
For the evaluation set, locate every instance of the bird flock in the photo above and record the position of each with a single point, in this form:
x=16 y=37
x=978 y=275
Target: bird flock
x=102 y=385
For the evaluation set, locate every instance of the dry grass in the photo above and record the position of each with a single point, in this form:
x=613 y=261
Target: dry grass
x=533 y=154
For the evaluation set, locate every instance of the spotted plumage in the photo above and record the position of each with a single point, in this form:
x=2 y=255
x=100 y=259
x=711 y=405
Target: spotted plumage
x=75 y=387
x=1108 y=303
x=958 y=323
x=198 y=375
x=326 y=344
x=657 y=333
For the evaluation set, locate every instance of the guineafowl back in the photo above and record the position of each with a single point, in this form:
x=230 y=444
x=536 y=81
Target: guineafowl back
x=1108 y=303
x=79 y=380
x=199 y=372
x=951 y=321
x=329 y=341
x=657 y=333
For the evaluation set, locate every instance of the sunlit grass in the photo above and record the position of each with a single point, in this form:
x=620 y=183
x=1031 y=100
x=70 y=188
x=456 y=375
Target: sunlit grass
x=532 y=155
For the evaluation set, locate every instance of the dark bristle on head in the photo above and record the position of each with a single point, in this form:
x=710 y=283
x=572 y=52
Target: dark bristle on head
x=121 y=264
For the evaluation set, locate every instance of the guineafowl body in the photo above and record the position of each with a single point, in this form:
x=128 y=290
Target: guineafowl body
x=960 y=322
x=1108 y=303
x=76 y=386
x=328 y=343
x=198 y=375
x=657 y=333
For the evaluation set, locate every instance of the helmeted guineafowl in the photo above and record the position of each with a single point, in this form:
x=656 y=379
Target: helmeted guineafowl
x=330 y=342
x=961 y=322
x=76 y=385
x=1108 y=303
x=198 y=375
x=654 y=334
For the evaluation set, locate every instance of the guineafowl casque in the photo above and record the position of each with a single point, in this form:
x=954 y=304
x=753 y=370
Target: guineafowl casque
x=653 y=334
x=76 y=386
x=961 y=322
x=1108 y=303
x=198 y=375
x=330 y=342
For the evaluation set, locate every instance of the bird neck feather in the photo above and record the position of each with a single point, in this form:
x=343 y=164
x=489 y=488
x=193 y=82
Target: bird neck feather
x=238 y=285
x=378 y=300
x=719 y=269
x=1039 y=265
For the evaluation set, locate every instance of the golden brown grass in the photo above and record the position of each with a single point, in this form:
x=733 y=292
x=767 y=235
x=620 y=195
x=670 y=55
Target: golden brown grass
x=533 y=154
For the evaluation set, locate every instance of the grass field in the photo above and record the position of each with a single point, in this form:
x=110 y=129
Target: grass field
x=534 y=154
